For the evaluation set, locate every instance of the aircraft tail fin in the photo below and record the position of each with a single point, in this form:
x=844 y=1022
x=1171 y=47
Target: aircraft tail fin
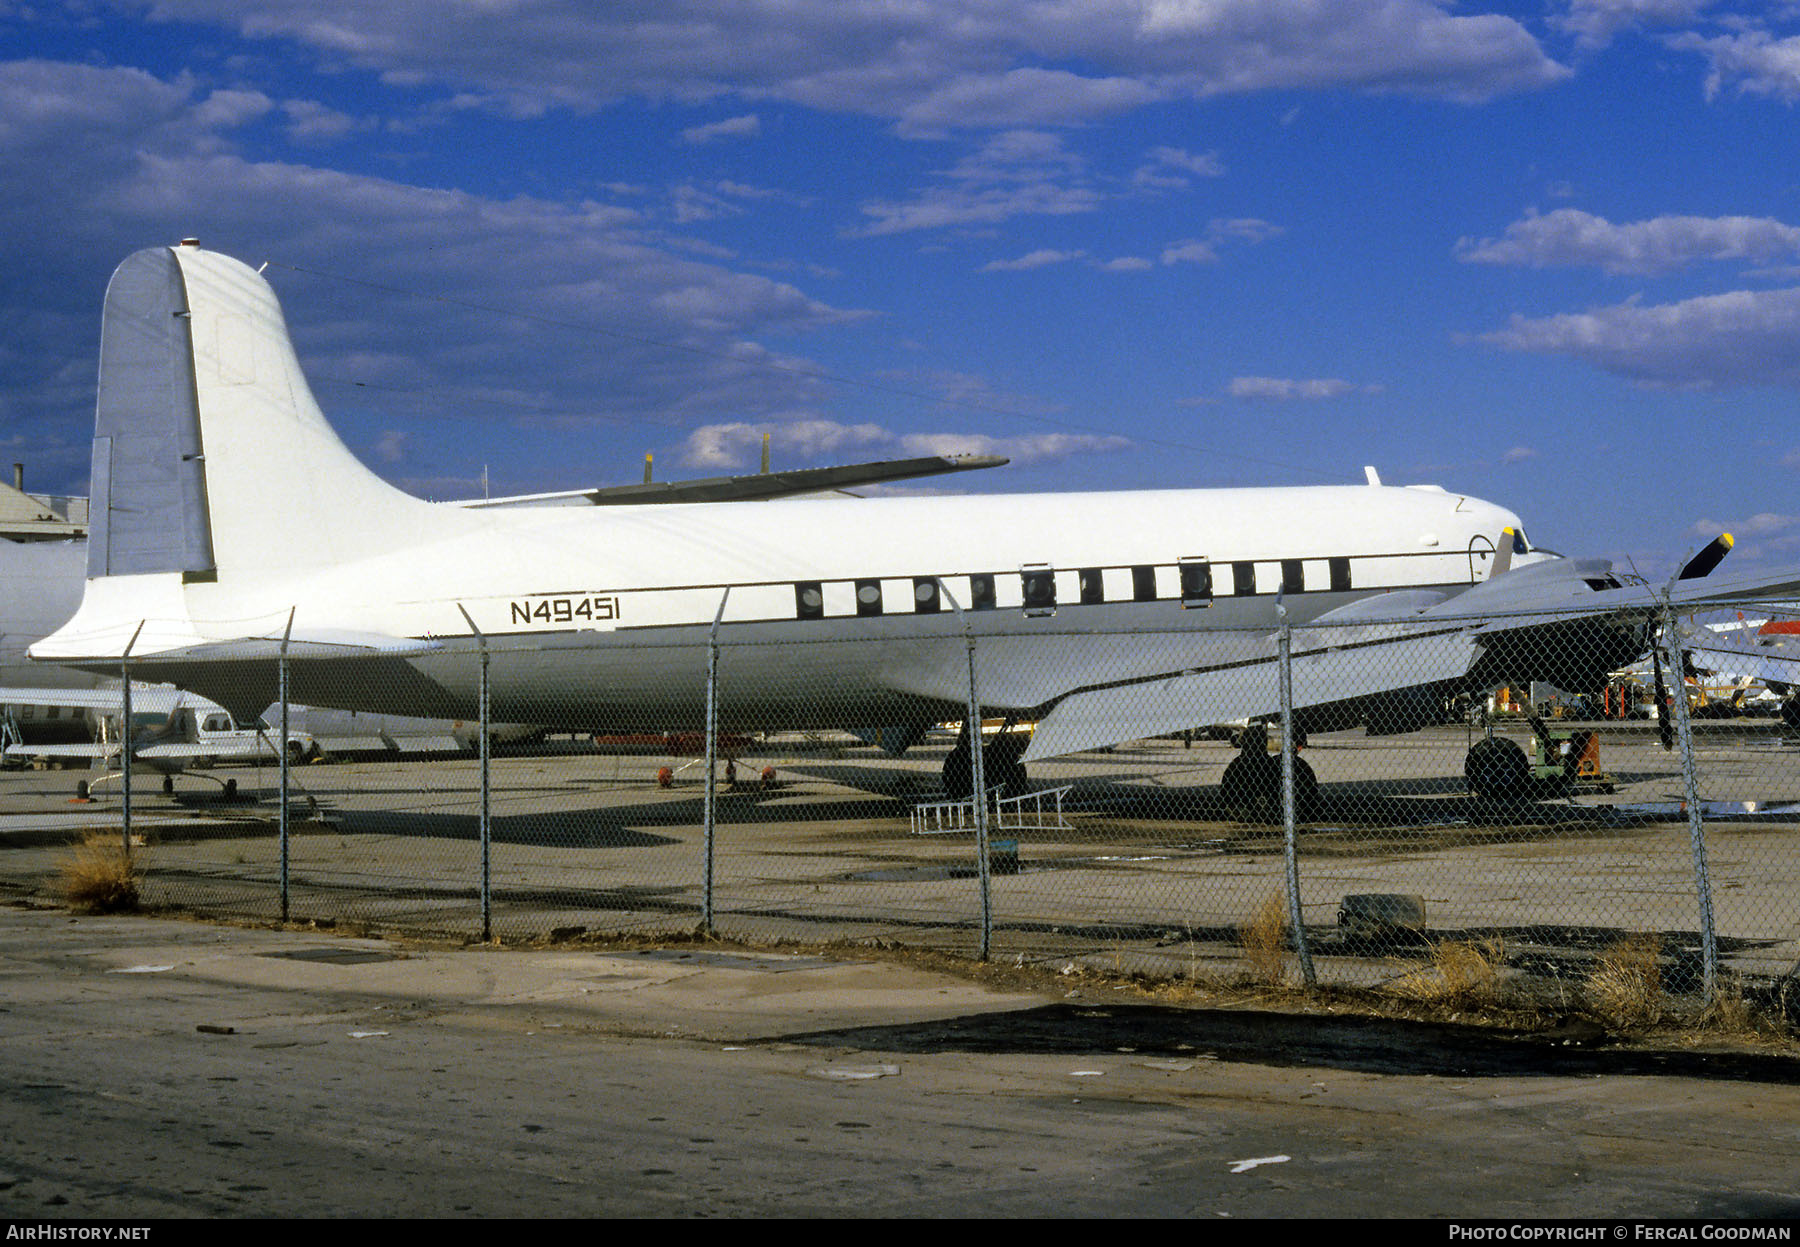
x=211 y=457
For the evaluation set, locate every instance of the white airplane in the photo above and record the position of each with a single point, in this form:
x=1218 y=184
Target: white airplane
x=172 y=732
x=1765 y=656
x=229 y=520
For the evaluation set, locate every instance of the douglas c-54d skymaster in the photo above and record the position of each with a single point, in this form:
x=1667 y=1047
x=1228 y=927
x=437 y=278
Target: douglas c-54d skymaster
x=229 y=520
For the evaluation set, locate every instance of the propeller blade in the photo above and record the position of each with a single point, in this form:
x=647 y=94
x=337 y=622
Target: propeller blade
x=1708 y=558
x=1665 y=723
x=1503 y=554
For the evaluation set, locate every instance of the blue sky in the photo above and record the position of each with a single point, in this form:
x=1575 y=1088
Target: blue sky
x=1544 y=253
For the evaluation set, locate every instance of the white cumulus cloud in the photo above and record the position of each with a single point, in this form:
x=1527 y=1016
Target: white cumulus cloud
x=1745 y=337
x=1287 y=389
x=745 y=127
x=1040 y=258
x=1595 y=22
x=926 y=66
x=1753 y=60
x=1569 y=237
x=738 y=444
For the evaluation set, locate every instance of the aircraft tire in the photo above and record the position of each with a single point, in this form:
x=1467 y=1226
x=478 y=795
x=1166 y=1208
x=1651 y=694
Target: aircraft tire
x=1496 y=770
x=1790 y=712
x=1306 y=791
x=959 y=770
x=1251 y=787
x=1000 y=763
x=1000 y=766
x=168 y=785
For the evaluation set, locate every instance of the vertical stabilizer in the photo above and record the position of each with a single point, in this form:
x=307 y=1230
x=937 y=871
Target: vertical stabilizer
x=211 y=457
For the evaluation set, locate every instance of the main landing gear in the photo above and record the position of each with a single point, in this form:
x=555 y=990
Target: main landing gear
x=1000 y=763
x=1251 y=785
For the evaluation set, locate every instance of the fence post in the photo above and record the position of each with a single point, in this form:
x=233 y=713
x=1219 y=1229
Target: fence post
x=1690 y=790
x=125 y=741
x=1291 y=848
x=281 y=749
x=712 y=762
x=978 y=779
x=485 y=817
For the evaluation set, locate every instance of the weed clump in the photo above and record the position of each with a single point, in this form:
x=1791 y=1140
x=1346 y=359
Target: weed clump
x=1265 y=940
x=99 y=876
x=1459 y=972
x=1625 y=988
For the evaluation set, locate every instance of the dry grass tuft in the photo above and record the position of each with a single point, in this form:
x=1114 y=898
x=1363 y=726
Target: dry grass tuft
x=1625 y=987
x=1733 y=1015
x=1459 y=972
x=99 y=876
x=1266 y=942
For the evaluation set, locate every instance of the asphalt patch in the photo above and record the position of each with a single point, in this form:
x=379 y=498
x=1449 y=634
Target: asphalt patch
x=337 y=956
x=1367 y=1045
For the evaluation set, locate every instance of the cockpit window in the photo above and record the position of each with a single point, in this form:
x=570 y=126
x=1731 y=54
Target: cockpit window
x=1520 y=544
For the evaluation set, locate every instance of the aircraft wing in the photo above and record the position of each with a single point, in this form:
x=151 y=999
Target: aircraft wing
x=751 y=487
x=1770 y=666
x=1106 y=716
x=187 y=751
x=144 y=699
x=88 y=750
x=1526 y=624
x=167 y=751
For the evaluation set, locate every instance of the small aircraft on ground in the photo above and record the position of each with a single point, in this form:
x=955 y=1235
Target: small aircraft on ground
x=1104 y=617
x=171 y=732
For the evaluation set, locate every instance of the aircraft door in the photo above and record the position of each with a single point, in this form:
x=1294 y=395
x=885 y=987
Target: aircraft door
x=1481 y=558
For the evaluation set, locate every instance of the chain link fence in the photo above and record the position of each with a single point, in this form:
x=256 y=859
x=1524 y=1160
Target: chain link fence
x=1308 y=803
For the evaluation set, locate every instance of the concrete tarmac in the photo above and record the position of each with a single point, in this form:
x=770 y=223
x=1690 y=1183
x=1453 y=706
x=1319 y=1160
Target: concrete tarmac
x=158 y=1068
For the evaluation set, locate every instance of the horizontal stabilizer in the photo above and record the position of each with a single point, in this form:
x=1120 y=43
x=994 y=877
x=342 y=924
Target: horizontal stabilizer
x=323 y=644
x=754 y=487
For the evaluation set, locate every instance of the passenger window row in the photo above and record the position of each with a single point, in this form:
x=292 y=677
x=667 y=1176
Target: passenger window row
x=1034 y=588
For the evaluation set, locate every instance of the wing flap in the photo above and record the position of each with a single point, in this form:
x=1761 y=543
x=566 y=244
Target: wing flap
x=1098 y=717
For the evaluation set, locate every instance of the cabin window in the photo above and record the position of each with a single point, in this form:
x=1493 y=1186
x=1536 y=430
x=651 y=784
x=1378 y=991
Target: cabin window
x=1293 y=576
x=1243 y=579
x=925 y=596
x=809 y=600
x=1340 y=575
x=1143 y=584
x=1092 y=590
x=981 y=592
x=868 y=597
x=1037 y=584
x=1196 y=582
